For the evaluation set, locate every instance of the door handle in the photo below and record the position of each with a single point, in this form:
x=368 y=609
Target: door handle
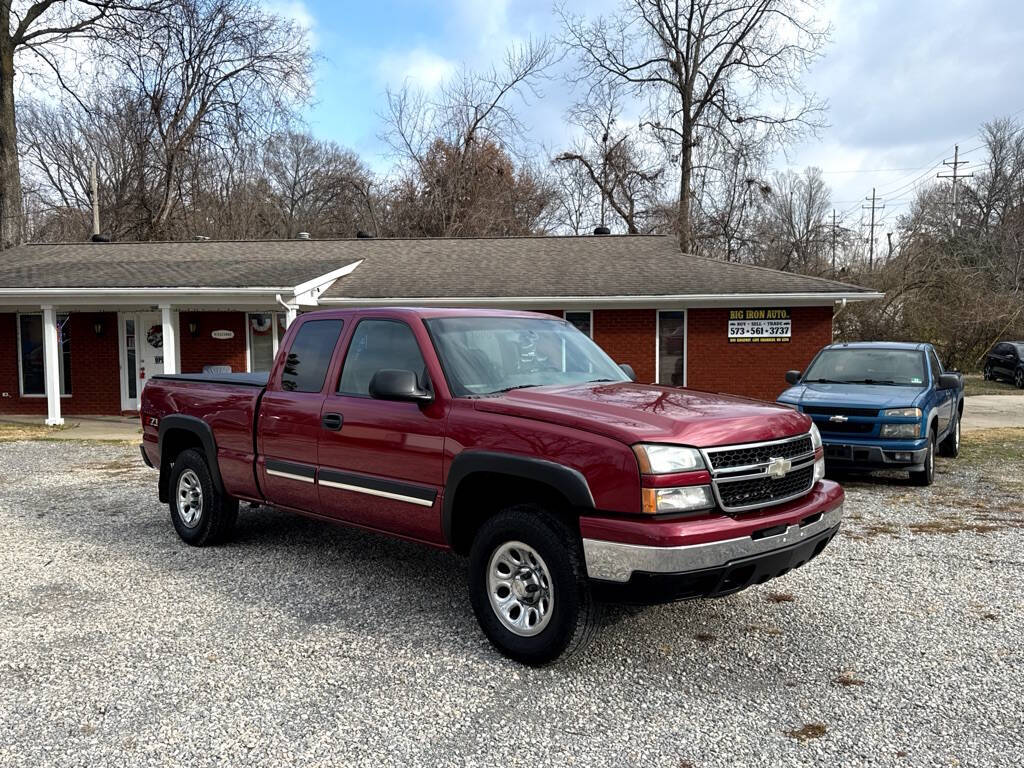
x=332 y=421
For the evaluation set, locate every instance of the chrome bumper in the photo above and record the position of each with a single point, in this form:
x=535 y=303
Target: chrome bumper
x=614 y=561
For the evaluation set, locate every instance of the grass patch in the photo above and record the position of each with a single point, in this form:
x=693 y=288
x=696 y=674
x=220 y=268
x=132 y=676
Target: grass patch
x=807 y=732
x=1004 y=444
x=975 y=384
x=11 y=432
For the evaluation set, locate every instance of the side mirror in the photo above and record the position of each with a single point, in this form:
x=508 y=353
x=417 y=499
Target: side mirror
x=949 y=381
x=628 y=370
x=396 y=384
x=792 y=377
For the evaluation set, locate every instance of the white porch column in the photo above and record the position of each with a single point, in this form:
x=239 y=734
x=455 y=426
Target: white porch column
x=290 y=316
x=169 y=318
x=51 y=367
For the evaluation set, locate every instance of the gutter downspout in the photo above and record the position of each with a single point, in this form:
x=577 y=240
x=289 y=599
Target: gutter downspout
x=290 y=311
x=842 y=306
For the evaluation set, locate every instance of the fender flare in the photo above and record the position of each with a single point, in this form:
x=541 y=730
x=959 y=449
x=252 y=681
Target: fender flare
x=568 y=481
x=202 y=430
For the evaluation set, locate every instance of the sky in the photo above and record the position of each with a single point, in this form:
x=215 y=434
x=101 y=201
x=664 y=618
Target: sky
x=905 y=80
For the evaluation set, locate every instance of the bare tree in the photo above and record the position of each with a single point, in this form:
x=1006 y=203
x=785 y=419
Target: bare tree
x=706 y=68
x=794 y=233
x=38 y=28
x=205 y=71
x=443 y=142
x=615 y=159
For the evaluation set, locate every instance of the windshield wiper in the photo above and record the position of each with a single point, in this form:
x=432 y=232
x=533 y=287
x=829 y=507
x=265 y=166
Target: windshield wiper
x=824 y=381
x=870 y=381
x=517 y=386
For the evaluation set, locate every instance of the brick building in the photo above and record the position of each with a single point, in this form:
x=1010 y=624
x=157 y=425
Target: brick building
x=84 y=325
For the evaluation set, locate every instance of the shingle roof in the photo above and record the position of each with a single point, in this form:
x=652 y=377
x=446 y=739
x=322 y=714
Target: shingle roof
x=213 y=263
x=637 y=265
x=633 y=265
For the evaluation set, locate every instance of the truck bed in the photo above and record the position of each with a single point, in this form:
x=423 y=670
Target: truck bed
x=239 y=379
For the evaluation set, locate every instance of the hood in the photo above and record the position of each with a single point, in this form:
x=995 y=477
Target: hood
x=635 y=413
x=853 y=395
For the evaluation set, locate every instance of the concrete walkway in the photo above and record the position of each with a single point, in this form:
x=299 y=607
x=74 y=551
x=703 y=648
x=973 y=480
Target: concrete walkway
x=126 y=428
x=993 y=412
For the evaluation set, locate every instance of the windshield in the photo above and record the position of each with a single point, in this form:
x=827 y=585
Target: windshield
x=900 y=367
x=484 y=355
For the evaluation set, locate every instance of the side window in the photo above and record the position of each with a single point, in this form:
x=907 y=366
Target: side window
x=378 y=344
x=933 y=361
x=310 y=354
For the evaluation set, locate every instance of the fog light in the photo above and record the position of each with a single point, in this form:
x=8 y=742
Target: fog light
x=687 y=498
x=902 y=457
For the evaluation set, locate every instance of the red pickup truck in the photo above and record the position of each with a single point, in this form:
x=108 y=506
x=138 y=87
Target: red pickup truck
x=509 y=437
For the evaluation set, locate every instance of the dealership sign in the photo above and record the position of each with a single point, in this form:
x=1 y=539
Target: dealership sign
x=760 y=326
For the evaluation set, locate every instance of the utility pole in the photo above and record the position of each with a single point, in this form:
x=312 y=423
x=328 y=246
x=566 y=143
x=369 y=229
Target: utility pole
x=955 y=164
x=833 y=243
x=871 y=237
x=94 y=193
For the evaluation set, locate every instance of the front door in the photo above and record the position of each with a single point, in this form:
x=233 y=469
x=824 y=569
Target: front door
x=142 y=355
x=381 y=461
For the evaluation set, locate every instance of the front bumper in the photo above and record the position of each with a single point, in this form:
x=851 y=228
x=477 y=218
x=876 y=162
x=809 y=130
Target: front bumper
x=897 y=454
x=713 y=556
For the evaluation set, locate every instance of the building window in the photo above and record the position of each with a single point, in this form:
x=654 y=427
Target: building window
x=31 y=356
x=672 y=348
x=264 y=331
x=584 y=321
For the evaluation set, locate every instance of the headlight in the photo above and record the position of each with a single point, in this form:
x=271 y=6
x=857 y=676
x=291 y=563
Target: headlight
x=815 y=437
x=902 y=413
x=905 y=431
x=688 y=498
x=666 y=459
x=819 y=471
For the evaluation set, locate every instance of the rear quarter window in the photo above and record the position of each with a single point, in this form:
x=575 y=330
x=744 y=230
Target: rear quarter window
x=309 y=356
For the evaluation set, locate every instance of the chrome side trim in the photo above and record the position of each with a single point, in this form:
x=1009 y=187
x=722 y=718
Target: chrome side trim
x=290 y=476
x=375 y=492
x=615 y=561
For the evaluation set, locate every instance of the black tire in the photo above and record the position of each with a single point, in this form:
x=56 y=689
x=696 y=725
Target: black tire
x=215 y=521
x=927 y=475
x=574 y=615
x=1018 y=378
x=950 y=447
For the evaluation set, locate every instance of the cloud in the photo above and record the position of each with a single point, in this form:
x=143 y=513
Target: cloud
x=418 y=66
x=296 y=11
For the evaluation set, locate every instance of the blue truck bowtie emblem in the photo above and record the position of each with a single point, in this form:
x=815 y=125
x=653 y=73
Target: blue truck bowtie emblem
x=838 y=418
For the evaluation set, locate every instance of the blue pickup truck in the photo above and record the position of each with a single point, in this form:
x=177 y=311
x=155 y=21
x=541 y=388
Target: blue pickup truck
x=881 y=405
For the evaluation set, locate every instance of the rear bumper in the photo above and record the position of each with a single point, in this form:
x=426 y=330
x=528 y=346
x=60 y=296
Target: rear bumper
x=711 y=556
x=897 y=454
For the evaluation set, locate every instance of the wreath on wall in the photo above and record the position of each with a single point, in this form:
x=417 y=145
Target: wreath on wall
x=155 y=336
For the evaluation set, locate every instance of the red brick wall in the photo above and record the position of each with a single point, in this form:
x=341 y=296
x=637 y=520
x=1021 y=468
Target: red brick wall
x=95 y=369
x=628 y=336
x=755 y=370
x=203 y=349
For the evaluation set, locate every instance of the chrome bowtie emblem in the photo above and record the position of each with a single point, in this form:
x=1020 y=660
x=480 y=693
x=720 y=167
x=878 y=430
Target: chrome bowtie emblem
x=778 y=467
x=838 y=418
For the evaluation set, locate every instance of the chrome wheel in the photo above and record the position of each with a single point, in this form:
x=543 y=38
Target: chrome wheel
x=190 y=499
x=1018 y=379
x=956 y=436
x=519 y=588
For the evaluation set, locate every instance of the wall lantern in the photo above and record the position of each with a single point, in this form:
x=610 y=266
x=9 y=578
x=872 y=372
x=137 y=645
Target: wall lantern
x=97 y=327
x=193 y=328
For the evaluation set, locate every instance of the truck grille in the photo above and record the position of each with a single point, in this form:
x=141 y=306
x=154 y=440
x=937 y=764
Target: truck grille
x=748 y=455
x=763 y=491
x=832 y=410
x=740 y=473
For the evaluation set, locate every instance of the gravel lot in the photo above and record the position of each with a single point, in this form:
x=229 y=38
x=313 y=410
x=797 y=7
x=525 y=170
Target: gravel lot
x=303 y=644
